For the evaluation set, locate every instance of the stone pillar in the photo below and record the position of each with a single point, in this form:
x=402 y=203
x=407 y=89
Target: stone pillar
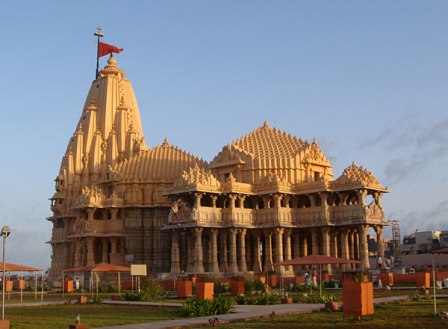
x=334 y=247
x=296 y=244
x=223 y=251
x=213 y=197
x=363 y=246
x=190 y=253
x=197 y=200
x=233 y=265
x=232 y=198
x=287 y=237
x=257 y=256
x=304 y=245
x=78 y=253
x=175 y=257
x=268 y=264
x=113 y=213
x=90 y=251
x=266 y=202
x=278 y=200
x=214 y=268
x=241 y=199
x=314 y=241
x=249 y=250
x=356 y=245
x=90 y=213
x=242 y=259
x=326 y=245
x=198 y=252
x=279 y=249
x=344 y=245
x=105 y=257
x=351 y=242
x=380 y=243
x=313 y=200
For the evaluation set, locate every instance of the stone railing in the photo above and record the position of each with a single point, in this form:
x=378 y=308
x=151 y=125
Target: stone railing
x=207 y=216
x=348 y=213
x=104 y=226
x=274 y=216
x=58 y=234
x=238 y=216
x=310 y=216
x=357 y=213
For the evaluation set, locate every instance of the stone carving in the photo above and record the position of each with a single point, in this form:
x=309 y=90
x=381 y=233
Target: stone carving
x=314 y=154
x=197 y=175
x=180 y=212
x=273 y=179
x=357 y=174
x=374 y=211
x=79 y=225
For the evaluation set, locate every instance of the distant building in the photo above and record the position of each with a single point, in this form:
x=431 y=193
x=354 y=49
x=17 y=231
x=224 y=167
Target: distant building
x=420 y=242
x=443 y=238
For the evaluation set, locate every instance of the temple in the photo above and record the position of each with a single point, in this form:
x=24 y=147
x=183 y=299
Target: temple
x=265 y=197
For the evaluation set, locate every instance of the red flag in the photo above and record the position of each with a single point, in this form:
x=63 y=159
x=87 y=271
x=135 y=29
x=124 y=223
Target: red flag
x=104 y=49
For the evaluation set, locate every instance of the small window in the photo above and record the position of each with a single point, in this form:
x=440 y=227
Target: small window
x=316 y=176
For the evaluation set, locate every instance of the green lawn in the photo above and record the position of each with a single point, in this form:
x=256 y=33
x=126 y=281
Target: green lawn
x=413 y=315
x=406 y=315
x=94 y=315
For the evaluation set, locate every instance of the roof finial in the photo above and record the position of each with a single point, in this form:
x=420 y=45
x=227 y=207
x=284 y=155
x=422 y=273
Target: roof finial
x=165 y=142
x=266 y=124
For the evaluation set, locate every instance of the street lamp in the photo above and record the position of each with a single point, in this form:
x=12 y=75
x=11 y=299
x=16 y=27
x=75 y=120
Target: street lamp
x=4 y=233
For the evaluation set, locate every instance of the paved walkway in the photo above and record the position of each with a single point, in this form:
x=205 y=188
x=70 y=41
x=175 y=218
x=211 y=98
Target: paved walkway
x=240 y=313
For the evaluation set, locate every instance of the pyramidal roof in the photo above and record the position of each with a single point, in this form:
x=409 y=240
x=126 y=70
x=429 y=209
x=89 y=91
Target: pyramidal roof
x=357 y=174
x=162 y=163
x=268 y=143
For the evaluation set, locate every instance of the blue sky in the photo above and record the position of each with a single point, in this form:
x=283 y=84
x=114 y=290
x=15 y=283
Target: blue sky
x=367 y=79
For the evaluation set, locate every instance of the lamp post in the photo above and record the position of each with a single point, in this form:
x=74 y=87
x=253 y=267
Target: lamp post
x=4 y=233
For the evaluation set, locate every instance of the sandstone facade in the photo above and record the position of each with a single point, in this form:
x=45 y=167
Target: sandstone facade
x=266 y=197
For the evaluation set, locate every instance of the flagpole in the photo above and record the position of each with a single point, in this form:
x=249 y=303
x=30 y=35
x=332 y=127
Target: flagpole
x=99 y=35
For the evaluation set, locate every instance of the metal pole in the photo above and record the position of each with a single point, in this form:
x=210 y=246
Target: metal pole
x=4 y=278
x=98 y=34
x=434 y=286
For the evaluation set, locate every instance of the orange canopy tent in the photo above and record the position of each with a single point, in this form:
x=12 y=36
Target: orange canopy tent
x=10 y=267
x=100 y=267
x=317 y=260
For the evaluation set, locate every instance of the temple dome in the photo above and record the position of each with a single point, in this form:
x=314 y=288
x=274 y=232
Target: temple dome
x=271 y=152
x=164 y=163
x=269 y=143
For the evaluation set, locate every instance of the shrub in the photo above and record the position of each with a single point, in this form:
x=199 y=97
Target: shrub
x=220 y=288
x=96 y=300
x=264 y=299
x=108 y=289
x=201 y=307
x=153 y=291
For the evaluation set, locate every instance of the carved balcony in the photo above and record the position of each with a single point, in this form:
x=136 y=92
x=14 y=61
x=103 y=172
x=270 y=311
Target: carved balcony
x=357 y=214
